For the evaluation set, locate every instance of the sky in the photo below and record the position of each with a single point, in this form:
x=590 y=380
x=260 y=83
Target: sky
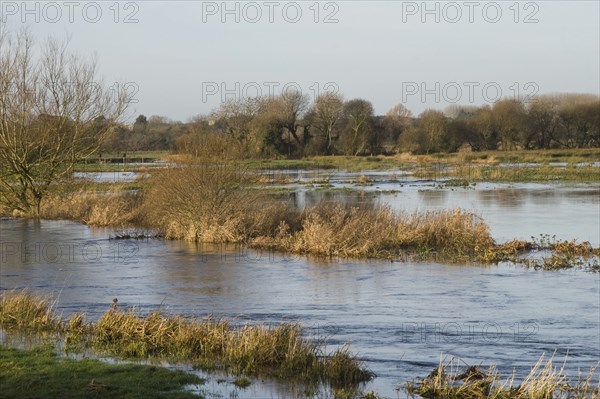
x=182 y=58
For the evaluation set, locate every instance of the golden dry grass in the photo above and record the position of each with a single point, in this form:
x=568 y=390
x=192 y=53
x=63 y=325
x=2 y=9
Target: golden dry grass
x=24 y=310
x=454 y=380
x=337 y=230
x=200 y=202
x=113 y=208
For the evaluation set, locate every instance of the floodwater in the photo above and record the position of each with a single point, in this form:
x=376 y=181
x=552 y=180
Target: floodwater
x=115 y=176
x=399 y=317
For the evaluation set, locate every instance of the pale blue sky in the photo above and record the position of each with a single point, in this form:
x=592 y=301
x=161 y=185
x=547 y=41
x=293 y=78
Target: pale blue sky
x=378 y=50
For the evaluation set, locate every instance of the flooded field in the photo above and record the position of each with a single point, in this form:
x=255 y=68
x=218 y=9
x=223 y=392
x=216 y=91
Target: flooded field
x=399 y=317
x=108 y=177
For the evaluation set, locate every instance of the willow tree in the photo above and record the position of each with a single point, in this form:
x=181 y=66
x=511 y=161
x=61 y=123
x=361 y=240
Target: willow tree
x=54 y=112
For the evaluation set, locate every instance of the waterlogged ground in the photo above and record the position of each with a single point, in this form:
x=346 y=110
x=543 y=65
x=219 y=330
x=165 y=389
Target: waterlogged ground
x=399 y=317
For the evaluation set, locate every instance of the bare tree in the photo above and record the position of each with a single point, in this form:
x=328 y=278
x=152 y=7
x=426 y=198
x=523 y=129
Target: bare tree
x=54 y=111
x=429 y=134
x=359 y=118
x=542 y=123
x=278 y=126
x=325 y=115
x=292 y=106
x=509 y=117
x=399 y=111
x=234 y=116
x=580 y=124
x=460 y=112
x=396 y=121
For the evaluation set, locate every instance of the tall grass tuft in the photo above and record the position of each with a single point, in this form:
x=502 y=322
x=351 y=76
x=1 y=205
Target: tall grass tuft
x=452 y=379
x=24 y=310
x=111 y=208
x=543 y=381
x=456 y=232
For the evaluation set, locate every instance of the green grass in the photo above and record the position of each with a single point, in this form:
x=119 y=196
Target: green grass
x=381 y=162
x=40 y=373
x=242 y=382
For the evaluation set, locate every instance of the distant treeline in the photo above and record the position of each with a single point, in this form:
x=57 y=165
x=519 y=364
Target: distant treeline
x=290 y=125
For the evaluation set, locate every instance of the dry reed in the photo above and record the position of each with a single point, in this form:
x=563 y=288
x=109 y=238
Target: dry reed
x=454 y=380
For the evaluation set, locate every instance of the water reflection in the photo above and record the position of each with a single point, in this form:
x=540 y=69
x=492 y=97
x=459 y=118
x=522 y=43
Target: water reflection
x=433 y=198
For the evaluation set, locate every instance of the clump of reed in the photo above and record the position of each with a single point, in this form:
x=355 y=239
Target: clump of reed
x=573 y=248
x=337 y=230
x=457 y=232
x=108 y=208
x=213 y=203
x=454 y=379
x=24 y=310
x=562 y=254
x=279 y=351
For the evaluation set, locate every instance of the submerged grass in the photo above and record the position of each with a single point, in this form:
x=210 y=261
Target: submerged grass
x=560 y=254
x=279 y=351
x=454 y=380
x=40 y=373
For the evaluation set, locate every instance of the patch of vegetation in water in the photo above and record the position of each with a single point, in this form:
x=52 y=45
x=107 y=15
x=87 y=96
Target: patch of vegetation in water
x=242 y=382
x=454 y=379
x=41 y=373
x=458 y=183
x=274 y=351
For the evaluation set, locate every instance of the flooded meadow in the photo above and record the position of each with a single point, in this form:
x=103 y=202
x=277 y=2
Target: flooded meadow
x=400 y=317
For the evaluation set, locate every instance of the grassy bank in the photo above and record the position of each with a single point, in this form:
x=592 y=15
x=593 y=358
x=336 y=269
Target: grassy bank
x=40 y=373
x=280 y=351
